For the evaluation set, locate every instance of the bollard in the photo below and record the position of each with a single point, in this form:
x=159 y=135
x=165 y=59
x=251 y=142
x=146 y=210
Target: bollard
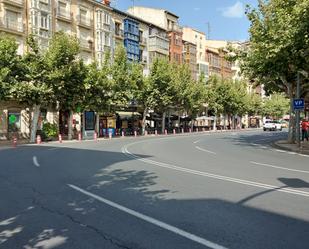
x=38 y=139
x=60 y=138
x=190 y=130
x=156 y=132
x=110 y=135
x=80 y=136
x=135 y=134
x=146 y=133
x=95 y=136
x=14 y=142
x=203 y=129
x=122 y=134
x=174 y=131
x=182 y=130
x=165 y=132
x=196 y=129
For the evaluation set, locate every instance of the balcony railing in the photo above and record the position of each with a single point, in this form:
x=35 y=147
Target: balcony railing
x=64 y=14
x=18 y=2
x=13 y=25
x=83 y=21
x=85 y=44
x=119 y=32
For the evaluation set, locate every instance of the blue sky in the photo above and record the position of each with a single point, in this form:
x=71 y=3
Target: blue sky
x=226 y=17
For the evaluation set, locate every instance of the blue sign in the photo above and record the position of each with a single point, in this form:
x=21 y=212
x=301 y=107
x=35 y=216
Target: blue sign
x=298 y=104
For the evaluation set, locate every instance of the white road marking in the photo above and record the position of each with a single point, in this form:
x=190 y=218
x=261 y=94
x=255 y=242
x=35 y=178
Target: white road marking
x=151 y=220
x=53 y=149
x=208 y=151
x=278 y=167
x=35 y=161
x=214 y=176
x=195 y=142
x=281 y=151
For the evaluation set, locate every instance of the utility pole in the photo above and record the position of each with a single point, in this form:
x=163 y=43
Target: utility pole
x=298 y=111
x=208 y=30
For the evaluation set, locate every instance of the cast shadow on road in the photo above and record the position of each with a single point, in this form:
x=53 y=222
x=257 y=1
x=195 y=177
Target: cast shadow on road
x=249 y=140
x=39 y=218
x=288 y=183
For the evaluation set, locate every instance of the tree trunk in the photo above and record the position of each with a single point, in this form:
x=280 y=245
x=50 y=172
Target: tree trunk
x=215 y=122
x=224 y=120
x=144 y=120
x=291 y=134
x=97 y=125
x=70 y=126
x=34 y=122
x=163 y=121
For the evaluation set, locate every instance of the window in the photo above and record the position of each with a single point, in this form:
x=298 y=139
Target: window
x=107 y=39
x=14 y=121
x=106 y=18
x=44 y=21
x=62 y=9
x=140 y=36
x=83 y=15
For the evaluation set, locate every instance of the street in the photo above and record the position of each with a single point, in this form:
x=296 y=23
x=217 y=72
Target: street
x=203 y=190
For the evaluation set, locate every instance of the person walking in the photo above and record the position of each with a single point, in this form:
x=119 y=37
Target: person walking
x=304 y=129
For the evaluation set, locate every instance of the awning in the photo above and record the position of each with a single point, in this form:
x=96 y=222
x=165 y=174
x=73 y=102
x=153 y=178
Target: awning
x=204 y=118
x=128 y=114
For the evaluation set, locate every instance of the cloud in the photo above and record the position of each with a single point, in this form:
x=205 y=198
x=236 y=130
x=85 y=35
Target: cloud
x=235 y=11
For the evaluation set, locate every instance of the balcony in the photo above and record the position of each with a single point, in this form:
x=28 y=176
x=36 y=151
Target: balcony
x=84 y=22
x=143 y=41
x=175 y=28
x=119 y=33
x=17 y=3
x=85 y=44
x=12 y=25
x=64 y=16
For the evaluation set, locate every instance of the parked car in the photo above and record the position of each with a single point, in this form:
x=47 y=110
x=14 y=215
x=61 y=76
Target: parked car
x=272 y=125
x=284 y=123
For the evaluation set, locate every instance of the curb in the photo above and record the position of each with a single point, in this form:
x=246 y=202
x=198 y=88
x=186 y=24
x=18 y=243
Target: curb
x=277 y=145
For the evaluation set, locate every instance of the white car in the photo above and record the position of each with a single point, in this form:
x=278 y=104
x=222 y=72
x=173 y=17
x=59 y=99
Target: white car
x=272 y=125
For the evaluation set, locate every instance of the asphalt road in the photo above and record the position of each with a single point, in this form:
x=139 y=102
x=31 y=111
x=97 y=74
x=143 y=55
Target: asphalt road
x=206 y=190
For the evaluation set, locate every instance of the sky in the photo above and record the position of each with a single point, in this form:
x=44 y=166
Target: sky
x=226 y=18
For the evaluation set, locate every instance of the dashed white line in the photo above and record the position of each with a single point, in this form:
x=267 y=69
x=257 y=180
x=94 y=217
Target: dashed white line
x=278 y=167
x=214 y=176
x=151 y=220
x=208 y=151
x=35 y=161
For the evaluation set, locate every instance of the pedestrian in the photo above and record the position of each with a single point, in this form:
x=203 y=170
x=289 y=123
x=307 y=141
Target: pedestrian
x=304 y=129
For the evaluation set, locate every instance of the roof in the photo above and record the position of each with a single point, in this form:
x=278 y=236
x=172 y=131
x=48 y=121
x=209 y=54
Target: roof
x=165 y=11
x=126 y=14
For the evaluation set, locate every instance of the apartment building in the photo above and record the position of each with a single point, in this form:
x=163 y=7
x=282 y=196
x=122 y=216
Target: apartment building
x=216 y=53
x=189 y=57
x=13 y=21
x=199 y=39
x=166 y=21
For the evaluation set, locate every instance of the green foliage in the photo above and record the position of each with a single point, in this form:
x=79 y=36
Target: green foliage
x=32 y=89
x=276 y=106
x=50 y=130
x=120 y=74
x=66 y=72
x=161 y=86
x=98 y=86
x=10 y=66
x=225 y=96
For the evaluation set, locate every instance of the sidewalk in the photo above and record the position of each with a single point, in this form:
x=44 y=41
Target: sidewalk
x=284 y=145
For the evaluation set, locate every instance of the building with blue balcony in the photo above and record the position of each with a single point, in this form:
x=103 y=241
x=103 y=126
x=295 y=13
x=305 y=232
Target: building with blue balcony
x=131 y=39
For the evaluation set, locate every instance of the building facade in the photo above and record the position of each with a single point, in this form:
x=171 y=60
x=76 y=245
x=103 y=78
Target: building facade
x=165 y=20
x=199 y=39
x=189 y=57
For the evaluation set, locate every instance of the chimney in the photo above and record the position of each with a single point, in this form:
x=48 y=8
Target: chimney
x=107 y=2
